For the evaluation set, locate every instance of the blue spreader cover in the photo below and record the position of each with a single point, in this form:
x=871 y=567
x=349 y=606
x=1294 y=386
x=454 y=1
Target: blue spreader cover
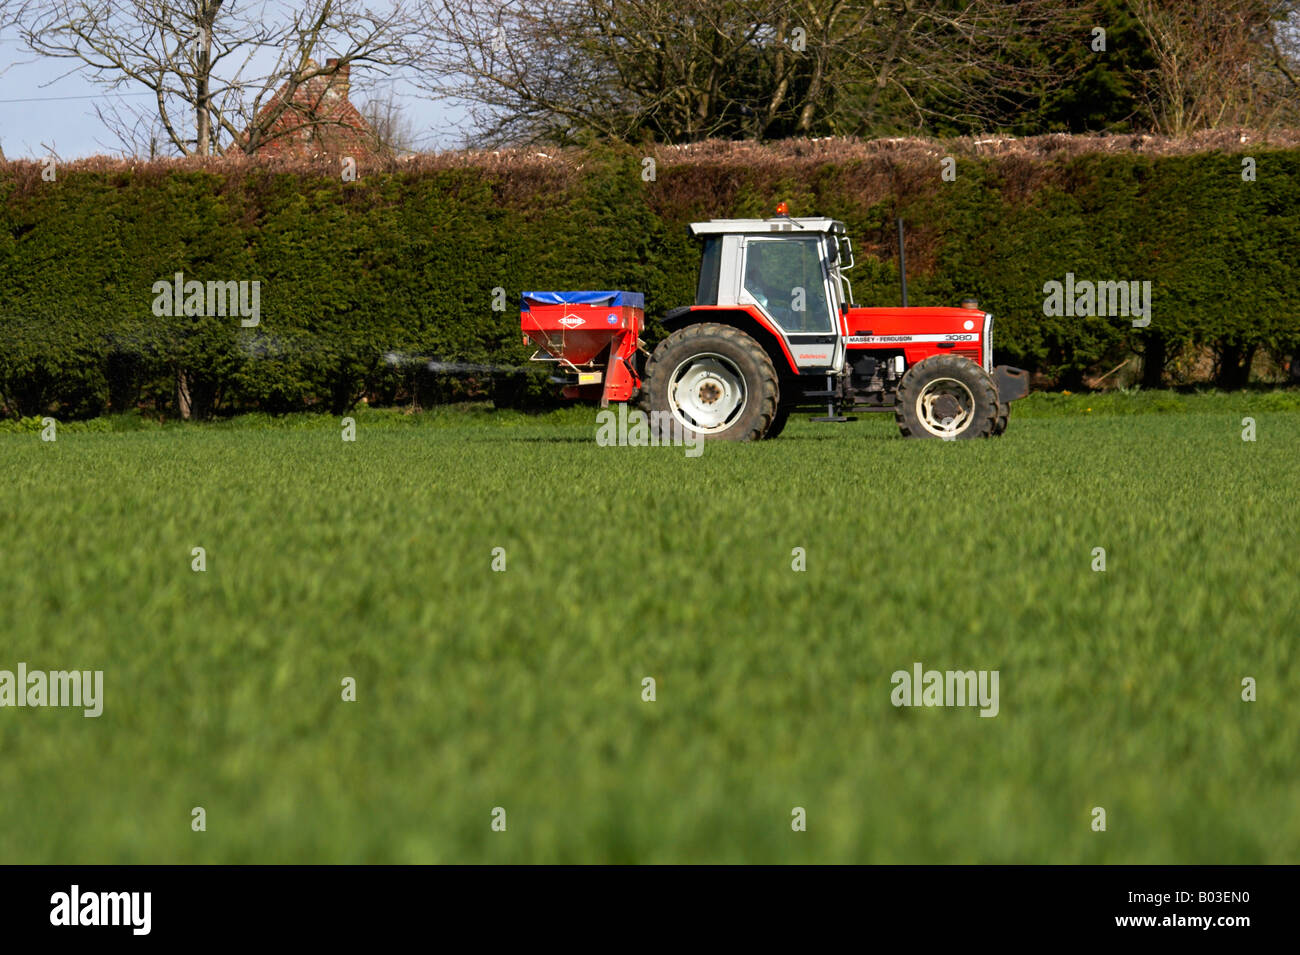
x=610 y=299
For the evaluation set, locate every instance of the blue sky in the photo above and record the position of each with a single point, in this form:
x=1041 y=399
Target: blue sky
x=42 y=106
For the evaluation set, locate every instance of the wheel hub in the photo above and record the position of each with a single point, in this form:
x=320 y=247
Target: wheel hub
x=706 y=393
x=945 y=407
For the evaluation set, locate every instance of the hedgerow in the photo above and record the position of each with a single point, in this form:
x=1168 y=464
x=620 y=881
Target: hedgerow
x=364 y=283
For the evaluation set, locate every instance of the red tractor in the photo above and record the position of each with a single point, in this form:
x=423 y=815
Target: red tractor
x=774 y=329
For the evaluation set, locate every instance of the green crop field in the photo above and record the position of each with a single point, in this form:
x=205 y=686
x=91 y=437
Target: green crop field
x=522 y=688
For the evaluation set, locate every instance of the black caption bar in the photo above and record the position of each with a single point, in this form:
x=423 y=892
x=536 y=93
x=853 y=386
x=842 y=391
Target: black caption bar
x=146 y=904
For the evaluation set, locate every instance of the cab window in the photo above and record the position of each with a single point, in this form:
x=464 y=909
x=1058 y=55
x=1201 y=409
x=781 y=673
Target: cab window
x=711 y=262
x=785 y=276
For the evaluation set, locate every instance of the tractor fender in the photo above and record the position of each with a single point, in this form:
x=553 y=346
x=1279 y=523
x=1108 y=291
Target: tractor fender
x=748 y=320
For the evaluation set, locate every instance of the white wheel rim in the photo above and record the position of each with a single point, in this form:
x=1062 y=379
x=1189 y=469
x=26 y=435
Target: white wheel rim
x=945 y=407
x=706 y=393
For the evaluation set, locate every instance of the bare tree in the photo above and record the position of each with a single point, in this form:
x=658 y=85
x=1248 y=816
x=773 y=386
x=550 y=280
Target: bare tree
x=214 y=67
x=392 y=128
x=1283 y=61
x=683 y=70
x=921 y=62
x=1220 y=62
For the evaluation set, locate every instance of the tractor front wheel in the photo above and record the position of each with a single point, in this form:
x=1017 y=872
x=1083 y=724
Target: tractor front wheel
x=946 y=397
x=713 y=380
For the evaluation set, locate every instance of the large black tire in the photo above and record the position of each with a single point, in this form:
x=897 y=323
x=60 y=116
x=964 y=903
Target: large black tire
x=946 y=397
x=778 y=423
x=1004 y=415
x=724 y=381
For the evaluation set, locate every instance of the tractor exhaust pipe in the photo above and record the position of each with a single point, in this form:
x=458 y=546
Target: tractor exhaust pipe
x=902 y=262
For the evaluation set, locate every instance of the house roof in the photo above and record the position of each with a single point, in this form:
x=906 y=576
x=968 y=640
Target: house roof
x=320 y=119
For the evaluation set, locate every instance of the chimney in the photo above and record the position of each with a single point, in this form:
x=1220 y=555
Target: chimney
x=341 y=81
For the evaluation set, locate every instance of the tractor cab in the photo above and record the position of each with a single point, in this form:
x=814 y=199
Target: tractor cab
x=788 y=274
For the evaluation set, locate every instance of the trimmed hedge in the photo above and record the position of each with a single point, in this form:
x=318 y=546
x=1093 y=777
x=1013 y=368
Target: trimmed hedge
x=362 y=282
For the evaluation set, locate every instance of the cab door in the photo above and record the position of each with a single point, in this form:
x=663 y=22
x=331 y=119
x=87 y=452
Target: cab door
x=786 y=277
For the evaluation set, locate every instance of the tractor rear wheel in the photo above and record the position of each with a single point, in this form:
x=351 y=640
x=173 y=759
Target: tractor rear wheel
x=1004 y=414
x=778 y=423
x=946 y=397
x=713 y=380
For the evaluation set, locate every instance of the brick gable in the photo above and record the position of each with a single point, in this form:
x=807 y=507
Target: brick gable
x=319 y=121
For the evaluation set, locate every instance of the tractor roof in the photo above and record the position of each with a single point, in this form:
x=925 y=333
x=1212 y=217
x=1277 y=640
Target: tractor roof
x=793 y=224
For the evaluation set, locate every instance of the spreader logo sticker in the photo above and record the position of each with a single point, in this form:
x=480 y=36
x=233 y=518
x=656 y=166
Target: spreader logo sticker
x=612 y=318
x=572 y=321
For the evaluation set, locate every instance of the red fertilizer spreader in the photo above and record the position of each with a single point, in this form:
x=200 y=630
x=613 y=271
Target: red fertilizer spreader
x=592 y=338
